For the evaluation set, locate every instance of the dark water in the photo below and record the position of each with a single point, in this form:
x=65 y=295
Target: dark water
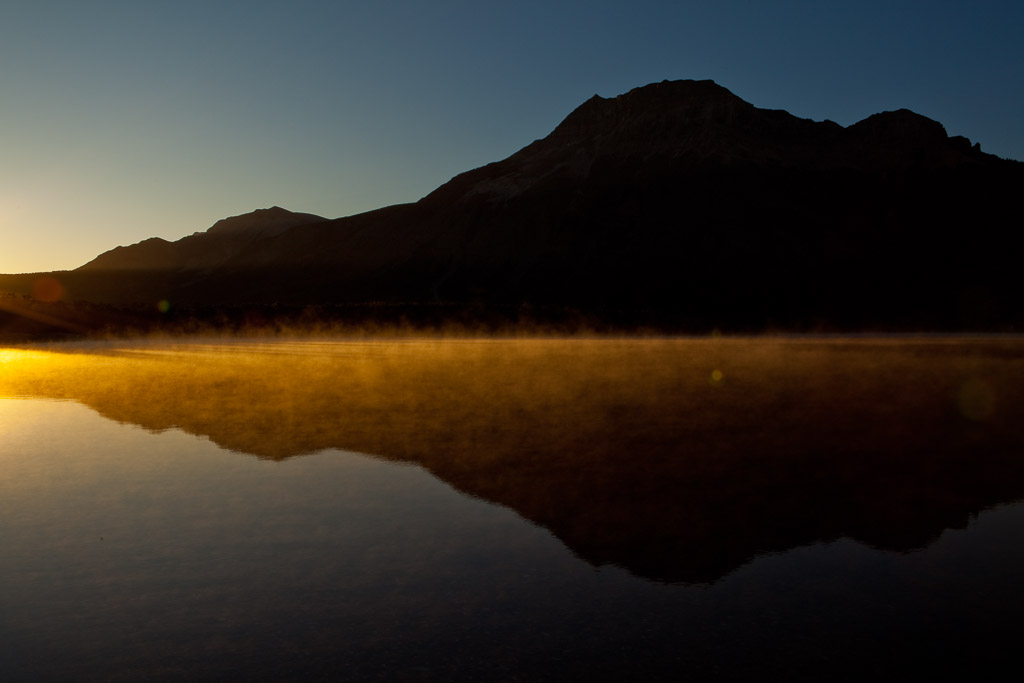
x=531 y=510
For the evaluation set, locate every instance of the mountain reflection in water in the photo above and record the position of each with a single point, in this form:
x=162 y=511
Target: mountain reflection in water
x=679 y=460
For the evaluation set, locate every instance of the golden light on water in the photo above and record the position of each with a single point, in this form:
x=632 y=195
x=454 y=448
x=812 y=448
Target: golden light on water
x=39 y=373
x=17 y=365
x=21 y=356
x=605 y=441
x=445 y=383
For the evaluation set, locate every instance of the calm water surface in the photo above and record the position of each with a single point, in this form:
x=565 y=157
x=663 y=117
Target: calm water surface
x=511 y=510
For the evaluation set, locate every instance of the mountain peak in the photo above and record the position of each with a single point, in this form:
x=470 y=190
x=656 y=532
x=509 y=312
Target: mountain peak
x=202 y=250
x=685 y=102
x=900 y=125
x=264 y=222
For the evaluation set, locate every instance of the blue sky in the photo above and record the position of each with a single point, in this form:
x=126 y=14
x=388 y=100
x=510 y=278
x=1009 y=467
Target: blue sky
x=125 y=120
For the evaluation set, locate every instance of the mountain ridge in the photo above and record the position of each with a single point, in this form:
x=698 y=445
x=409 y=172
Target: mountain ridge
x=676 y=203
x=201 y=250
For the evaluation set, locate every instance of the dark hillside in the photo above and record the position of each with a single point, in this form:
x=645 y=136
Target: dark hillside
x=676 y=205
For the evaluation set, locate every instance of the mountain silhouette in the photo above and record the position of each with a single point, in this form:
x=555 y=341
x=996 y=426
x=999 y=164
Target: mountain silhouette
x=201 y=251
x=676 y=204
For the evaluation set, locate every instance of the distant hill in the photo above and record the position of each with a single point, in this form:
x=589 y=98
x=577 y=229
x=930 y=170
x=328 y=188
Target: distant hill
x=676 y=204
x=202 y=251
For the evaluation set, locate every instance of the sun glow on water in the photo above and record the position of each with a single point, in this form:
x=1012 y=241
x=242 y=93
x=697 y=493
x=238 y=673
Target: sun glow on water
x=14 y=360
x=43 y=374
x=18 y=355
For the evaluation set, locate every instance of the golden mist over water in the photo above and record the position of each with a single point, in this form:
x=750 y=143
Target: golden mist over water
x=677 y=458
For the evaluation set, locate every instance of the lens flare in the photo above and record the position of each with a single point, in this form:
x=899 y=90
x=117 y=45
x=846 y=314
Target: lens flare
x=47 y=289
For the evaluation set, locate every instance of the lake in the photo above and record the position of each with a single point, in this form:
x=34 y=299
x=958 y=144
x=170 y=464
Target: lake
x=511 y=509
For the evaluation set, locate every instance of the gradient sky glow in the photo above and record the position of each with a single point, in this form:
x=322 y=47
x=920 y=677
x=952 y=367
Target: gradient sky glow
x=126 y=120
